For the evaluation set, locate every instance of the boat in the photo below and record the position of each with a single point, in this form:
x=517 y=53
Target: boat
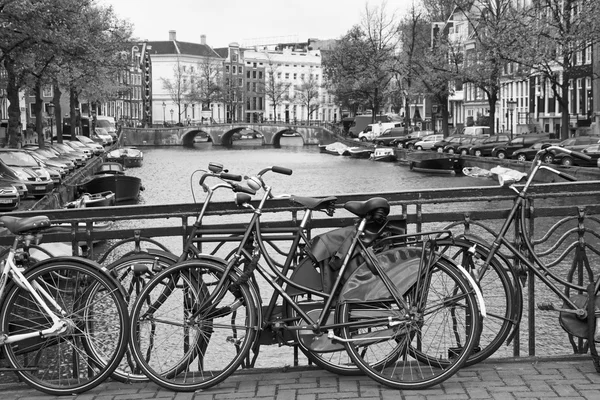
x=103 y=199
x=450 y=165
x=360 y=152
x=383 y=154
x=336 y=149
x=110 y=167
x=128 y=156
x=125 y=187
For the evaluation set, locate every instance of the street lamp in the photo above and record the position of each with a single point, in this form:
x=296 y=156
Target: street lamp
x=164 y=118
x=51 y=117
x=171 y=116
x=511 y=104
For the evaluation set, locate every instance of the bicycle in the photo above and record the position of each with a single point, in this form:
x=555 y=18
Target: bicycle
x=577 y=313
x=195 y=322
x=136 y=268
x=63 y=320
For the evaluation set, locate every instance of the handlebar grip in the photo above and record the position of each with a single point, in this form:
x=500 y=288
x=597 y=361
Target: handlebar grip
x=281 y=170
x=231 y=177
x=242 y=189
x=567 y=176
x=580 y=155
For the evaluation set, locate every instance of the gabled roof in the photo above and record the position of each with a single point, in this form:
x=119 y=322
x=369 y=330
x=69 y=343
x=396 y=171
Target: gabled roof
x=182 y=48
x=223 y=52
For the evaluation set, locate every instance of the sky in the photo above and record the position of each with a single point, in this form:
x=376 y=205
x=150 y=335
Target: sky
x=244 y=21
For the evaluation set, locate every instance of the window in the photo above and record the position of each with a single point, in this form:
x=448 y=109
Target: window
x=287 y=75
x=254 y=74
x=47 y=91
x=247 y=74
x=240 y=82
x=227 y=68
x=260 y=75
x=295 y=76
x=234 y=69
x=254 y=65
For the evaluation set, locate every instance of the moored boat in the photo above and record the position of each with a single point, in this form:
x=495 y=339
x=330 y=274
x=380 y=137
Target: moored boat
x=450 y=165
x=128 y=156
x=384 y=154
x=360 y=152
x=336 y=149
x=103 y=199
x=111 y=167
x=125 y=187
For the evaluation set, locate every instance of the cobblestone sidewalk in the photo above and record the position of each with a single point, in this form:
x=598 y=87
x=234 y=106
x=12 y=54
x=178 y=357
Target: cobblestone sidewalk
x=525 y=378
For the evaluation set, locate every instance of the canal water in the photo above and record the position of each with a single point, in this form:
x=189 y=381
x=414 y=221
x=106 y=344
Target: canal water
x=170 y=176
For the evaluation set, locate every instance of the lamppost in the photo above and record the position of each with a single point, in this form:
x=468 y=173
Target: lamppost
x=164 y=107
x=51 y=117
x=171 y=116
x=511 y=104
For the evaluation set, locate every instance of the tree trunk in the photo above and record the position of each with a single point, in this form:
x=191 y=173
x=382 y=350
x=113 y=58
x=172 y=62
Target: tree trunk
x=57 y=110
x=14 y=111
x=37 y=110
x=73 y=104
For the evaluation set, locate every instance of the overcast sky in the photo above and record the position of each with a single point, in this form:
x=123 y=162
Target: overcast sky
x=226 y=21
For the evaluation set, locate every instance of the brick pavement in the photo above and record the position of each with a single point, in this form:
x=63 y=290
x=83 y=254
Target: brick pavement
x=572 y=377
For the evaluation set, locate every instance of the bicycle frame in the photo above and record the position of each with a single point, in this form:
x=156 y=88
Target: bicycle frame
x=537 y=266
x=10 y=269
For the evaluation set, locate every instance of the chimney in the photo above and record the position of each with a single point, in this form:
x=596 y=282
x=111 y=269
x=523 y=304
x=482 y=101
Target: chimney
x=172 y=35
x=202 y=39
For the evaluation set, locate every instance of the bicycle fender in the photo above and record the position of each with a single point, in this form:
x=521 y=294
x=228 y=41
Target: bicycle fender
x=478 y=295
x=89 y=263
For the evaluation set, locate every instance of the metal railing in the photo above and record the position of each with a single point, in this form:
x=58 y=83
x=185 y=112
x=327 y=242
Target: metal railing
x=474 y=210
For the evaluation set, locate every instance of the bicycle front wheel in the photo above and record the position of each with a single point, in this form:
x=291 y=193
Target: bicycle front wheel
x=186 y=336
x=94 y=335
x=133 y=272
x=429 y=342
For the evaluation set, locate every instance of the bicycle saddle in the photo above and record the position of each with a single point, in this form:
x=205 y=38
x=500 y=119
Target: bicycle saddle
x=363 y=208
x=313 y=203
x=19 y=225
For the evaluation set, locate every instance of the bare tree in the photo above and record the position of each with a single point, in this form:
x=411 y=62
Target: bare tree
x=207 y=84
x=178 y=87
x=307 y=94
x=276 y=90
x=551 y=44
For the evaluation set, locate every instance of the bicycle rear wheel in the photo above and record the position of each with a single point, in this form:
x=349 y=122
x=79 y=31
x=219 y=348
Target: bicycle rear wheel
x=183 y=352
x=93 y=341
x=429 y=342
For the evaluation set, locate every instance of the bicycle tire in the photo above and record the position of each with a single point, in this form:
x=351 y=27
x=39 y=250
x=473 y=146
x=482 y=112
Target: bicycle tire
x=449 y=298
x=95 y=316
x=183 y=354
x=133 y=282
x=499 y=286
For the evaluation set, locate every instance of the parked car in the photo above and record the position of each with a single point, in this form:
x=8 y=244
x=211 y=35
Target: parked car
x=453 y=145
x=485 y=147
x=575 y=143
x=519 y=142
x=568 y=160
x=439 y=145
x=372 y=131
x=528 y=153
x=428 y=142
x=96 y=147
x=50 y=155
x=476 y=130
x=9 y=196
x=47 y=163
x=64 y=150
x=411 y=139
x=78 y=146
x=9 y=178
x=361 y=121
x=102 y=136
x=386 y=138
x=109 y=124
x=37 y=179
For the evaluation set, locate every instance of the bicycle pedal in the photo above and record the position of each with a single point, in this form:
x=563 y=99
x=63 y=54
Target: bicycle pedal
x=546 y=306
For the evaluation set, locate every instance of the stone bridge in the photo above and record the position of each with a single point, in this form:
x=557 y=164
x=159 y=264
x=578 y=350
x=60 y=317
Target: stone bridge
x=223 y=134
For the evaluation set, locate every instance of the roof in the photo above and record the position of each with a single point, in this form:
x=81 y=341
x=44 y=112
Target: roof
x=183 y=48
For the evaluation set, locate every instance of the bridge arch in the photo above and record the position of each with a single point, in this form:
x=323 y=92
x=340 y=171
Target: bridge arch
x=224 y=134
